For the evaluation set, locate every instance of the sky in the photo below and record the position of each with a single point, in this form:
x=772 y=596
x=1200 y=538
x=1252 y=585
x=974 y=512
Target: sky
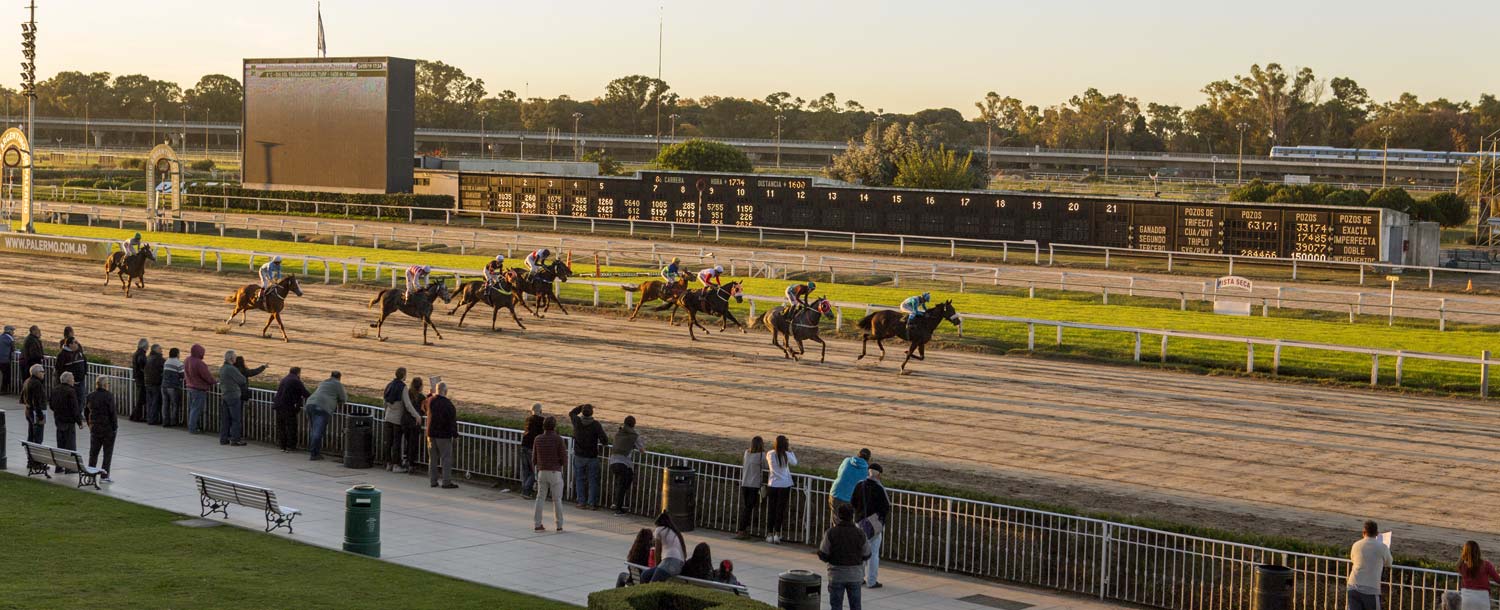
x=900 y=56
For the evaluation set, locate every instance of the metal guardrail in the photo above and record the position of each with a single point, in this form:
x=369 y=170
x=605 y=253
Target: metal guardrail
x=1108 y=560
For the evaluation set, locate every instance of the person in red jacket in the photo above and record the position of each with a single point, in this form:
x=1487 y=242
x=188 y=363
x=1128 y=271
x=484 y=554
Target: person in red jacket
x=199 y=379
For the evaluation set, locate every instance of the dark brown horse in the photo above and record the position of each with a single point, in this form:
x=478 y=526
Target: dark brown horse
x=419 y=306
x=478 y=291
x=885 y=324
x=128 y=268
x=272 y=302
x=801 y=326
x=539 y=285
x=711 y=300
x=657 y=289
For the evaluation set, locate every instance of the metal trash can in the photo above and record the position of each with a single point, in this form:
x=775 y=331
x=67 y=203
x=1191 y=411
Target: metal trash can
x=359 y=441
x=679 y=486
x=1273 y=587
x=362 y=520
x=799 y=590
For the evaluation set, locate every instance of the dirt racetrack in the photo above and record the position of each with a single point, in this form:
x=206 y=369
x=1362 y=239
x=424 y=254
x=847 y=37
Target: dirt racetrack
x=1237 y=454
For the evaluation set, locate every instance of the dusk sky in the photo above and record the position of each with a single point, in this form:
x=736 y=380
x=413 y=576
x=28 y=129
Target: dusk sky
x=900 y=56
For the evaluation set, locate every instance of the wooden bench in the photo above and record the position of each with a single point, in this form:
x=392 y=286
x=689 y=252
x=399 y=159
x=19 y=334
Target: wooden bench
x=41 y=459
x=632 y=576
x=216 y=494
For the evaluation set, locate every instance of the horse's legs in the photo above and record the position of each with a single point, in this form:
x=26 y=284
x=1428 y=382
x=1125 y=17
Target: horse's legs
x=428 y=320
x=494 y=315
x=551 y=299
x=824 y=354
x=638 y=305
x=465 y=314
x=455 y=309
x=232 y=314
x=515 y=317
x=880 y=343
x=284 y=338
x=380 y=325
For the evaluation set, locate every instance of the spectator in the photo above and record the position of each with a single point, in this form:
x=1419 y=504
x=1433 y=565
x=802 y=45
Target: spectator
x=397 y=404
x=67 y=336
x=72 y=360
x=853 y=470
x=1474 y=575
x=588 y=434
x=549 y=457
x=34 y=398
x=725 y=574
x=67 y=416
x=199 y=380
x=321 y=405
x=1368 y=556
x=290 y=394
x=138 y=374
x=872 y=507
x=232 y=387
x=844 y=549
x=622 y=460
x=671 y=551
x=31 y=348
x=752 y=480
x=171 y=389
x=99 y=412
x=249 y=373
x=700 y=564
x=442 y=431
x=779 y=491
x=155 y=364
x=416 y=400
x=528 y=473
x=640 y=550
x=7 y=351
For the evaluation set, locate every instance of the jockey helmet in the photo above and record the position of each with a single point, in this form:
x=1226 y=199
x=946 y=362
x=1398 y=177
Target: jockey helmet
x=276 y=259
x=718 y=268
x=499 y=258
x=926 y=296
x=811 y=285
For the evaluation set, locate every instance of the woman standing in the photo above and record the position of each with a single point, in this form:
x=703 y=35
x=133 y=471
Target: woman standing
x=1475 y=574
x=415 y=399
x=752 y=478
x=780 y=463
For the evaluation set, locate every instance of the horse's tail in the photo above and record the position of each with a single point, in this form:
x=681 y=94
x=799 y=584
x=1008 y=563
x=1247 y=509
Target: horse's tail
x=867 y=323
x=233 y=297
x=378 y=297
x=631 y=287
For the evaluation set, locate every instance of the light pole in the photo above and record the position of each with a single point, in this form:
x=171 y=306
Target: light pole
x=673 y=117
x=523 y=147
x=779 y=119
x=1385 y=152
x=577 y=151
x=1239 y=165
x=1108 y=127
x=482 y=114
x=989 y=130
x=205 y=132
x=85 y=125
x=185 y=109
x=1215 y=160
x=153 y=124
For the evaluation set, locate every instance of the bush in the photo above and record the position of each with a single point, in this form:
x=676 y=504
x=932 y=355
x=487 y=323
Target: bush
x=1254 y=191
x=937 y=168
x=133 y=163
x=1425 y=211
x=78 y=183
x=203 y=165
x=1392 y=198
x=704 y=156
x=608 y=166
x=418 y=202
x=1453 y=211
x=670 y=596
x=1353 y=198
x=134 y=185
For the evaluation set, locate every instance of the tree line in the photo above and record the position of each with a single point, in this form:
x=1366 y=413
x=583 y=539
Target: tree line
x=1268 y=105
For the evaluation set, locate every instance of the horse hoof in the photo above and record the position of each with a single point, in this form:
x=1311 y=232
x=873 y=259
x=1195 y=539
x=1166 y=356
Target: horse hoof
x=380 y=339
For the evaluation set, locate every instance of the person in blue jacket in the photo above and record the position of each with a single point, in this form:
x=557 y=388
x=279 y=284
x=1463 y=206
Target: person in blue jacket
x=853 y=470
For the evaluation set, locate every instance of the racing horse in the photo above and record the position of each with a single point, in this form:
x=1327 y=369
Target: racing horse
x=128 y=268
x=419 y=306
x=271 y=302
x=711 y=300
x=478 y=291
x=657 y=289
x=802 y=325
x=539 y=285
x=885 y=324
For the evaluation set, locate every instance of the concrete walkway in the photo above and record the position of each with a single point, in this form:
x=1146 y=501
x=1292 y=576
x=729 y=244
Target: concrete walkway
x=475 y=533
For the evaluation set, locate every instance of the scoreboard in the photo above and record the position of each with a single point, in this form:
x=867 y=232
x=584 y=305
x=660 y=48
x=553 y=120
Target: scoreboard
x=796 y=202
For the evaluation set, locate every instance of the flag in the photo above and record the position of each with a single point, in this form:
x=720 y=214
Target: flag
x=322 y=45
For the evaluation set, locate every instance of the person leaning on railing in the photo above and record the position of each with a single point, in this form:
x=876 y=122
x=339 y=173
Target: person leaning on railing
x=172 y=374
x=1475 y=575
x=752 y=485
x=291 y=393
x=155 y=365
x=622 y=460
x=1369 y=557
x=321 y=405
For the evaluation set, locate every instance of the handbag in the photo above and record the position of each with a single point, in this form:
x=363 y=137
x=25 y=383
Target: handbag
x=764 y=491
x=871 y=526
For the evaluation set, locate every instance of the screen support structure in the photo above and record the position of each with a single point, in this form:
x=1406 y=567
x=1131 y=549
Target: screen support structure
x=163 y=160
x=16 y=151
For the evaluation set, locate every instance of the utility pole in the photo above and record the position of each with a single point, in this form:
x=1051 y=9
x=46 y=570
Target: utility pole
x=482 y=114
x=1108 y=127
x=672 y=120
x=1239 y=165
x=577 y=150
x=28 y=88
x=205 y=133
x=660 y=27
x=1385 y=152
x=153 y=124
x=86 y=125
x=779 y=119
x=185 y=109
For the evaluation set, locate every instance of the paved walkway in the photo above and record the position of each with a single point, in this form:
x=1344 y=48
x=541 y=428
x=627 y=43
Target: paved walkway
x=474 y=532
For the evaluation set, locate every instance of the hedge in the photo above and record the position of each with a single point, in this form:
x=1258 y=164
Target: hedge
x=670 y=596
x=426 y=206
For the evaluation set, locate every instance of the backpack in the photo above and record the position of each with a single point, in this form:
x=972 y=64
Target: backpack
x=393 y=391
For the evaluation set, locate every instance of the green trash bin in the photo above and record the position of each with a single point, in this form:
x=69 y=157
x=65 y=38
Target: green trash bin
x=362 y=520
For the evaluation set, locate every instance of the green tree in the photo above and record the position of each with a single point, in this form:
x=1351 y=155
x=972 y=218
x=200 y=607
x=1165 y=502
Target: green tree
x=872 y=160
x=137 y=94
x=704 y=156
x=608 y=166
x=218 y=97
x=937 y=168
x=1254 y=191
x=446 y=97
x=1452 y=210
x=70 y=94
x=1392 y=198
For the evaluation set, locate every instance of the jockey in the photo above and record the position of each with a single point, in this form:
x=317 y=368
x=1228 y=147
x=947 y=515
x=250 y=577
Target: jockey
x=416 y=278
x=915 y=306
x=797 y=295
x=672 y=271
x=710 y=276
x=537 y=259
x=494 y=271
x=129 y=246
x=269 y=273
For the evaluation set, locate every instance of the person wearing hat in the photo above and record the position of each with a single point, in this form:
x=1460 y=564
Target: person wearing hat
x=269 y=273
x=138 y=375
x=67 y=415
x=99 y=412
x=872 y=508
x=494 y=272
x=533 y=429
x=7 y=348
x=710 y=276
x=129 y=246
x=673 y=276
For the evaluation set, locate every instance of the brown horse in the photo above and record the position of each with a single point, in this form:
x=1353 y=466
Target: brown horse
x=476 y=292
x=800 y=326
x=657 y=289
x=128 y=268
x=419 y=306
x=711 y=300
x=272 y=302
x=885 y=324
x=540 y=285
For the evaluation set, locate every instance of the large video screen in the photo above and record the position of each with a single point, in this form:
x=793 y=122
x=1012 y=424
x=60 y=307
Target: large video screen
x=329 y=124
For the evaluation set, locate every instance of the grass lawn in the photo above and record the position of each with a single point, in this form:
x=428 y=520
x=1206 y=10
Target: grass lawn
x=76 y=549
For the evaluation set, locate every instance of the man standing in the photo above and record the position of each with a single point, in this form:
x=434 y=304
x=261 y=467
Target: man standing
x=395 y=410
x=67 y=416
x=232 y=384
x=588 y=434
x=844 y=549
x=99 y=412
x=1369 y=557
x=31 y=348
x=528 y=437
x=851 y=472
x=34 y=397
x=171 y=389
x=7 y=350
x=442 y=430
x=290 y=394
x=199 y=380
x=155 y=364
x=324 y=402
x=549 y=457
x=138 y=375
x=622 y=460
x=872 y=507
x=71 y=359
